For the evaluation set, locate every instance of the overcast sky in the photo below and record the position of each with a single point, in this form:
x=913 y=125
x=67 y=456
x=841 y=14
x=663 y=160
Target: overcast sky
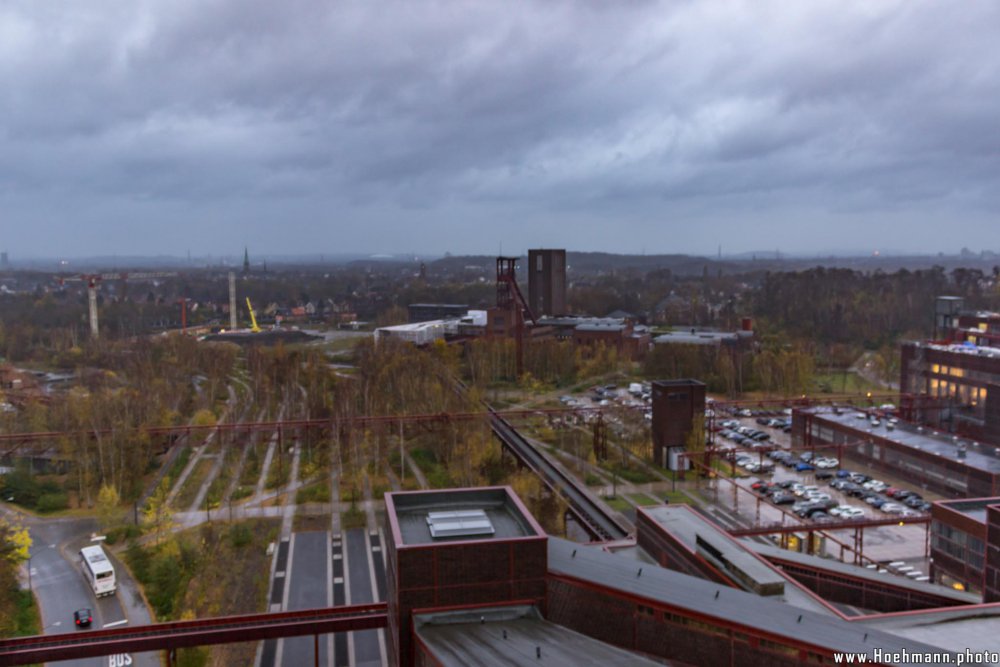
x=137 y=127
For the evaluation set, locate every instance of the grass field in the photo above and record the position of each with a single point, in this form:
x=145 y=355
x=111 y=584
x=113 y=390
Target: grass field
x=843 y=383
x=642 y=499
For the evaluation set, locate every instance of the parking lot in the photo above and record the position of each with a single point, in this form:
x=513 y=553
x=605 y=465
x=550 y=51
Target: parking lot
x=848 y=496
x=817 y=491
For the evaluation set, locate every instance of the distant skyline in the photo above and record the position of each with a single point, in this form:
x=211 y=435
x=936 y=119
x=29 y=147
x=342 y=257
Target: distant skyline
x=153 y=128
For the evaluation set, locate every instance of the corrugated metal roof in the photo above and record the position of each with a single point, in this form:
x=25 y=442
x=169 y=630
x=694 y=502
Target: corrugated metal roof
x=835 y=566
x=512 y=636
x=727 y=604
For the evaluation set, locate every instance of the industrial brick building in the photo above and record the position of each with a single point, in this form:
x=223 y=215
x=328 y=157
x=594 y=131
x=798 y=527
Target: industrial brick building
x=956 y=376
x=679 y=538
x=453 y=549
x=472 y=579
x=547 y=282
x=991 y=578
x=676 y=406
x=958 y=542
x=961 y=386
x=942 y=463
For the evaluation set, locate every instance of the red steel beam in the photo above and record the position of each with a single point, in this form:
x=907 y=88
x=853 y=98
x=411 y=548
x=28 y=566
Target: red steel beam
x=248 y=427
x=201 y=632
x=770 y=529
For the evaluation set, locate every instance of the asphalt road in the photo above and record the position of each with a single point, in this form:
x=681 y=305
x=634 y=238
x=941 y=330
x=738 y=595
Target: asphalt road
x=367 y=648
x=308 y=588
x=60 y=588
x=323 y=571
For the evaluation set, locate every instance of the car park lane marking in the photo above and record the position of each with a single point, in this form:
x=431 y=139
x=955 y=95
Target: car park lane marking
x=116 y=623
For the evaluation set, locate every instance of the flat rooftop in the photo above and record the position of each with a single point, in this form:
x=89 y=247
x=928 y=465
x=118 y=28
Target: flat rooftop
x=835 y=567
x=974 y=509
x=437 y=517
x=731 y=556
x=456 y=306
x=729 y=605
x=981 y=457
x=954 y=629
x=961 y=348
x=696 y=337
x=576 y=321
x=511 y=636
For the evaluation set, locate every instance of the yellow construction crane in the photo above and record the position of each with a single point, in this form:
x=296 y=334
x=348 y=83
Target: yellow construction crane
x=253 y=320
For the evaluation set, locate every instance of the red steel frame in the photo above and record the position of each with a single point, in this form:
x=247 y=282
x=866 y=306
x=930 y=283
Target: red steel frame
x=181 y=634
x=19 y=439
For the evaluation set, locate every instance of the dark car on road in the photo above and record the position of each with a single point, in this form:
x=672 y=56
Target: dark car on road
x=82 y=618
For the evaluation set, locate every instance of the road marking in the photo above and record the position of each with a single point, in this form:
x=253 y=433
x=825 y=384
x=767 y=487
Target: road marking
x=111 y=625
x=279 y=574
x=338 y=580
x=337 y=557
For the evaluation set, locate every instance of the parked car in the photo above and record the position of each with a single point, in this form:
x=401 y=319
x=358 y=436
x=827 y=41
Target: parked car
x=844 y=474
x=802 y=466
x=892 y=508
x=782 y=498
x=855 y=490
x=852 y=513
x=809 y=509
x=823 y=474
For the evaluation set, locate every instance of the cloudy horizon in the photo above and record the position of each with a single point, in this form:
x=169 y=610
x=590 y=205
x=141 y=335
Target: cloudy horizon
x=305 y=127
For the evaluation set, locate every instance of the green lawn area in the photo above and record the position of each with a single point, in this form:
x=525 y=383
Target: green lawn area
x=26 y=619
x=628 y=473
x=618 y=504
x=642 y=499
x=675 y=497
x=318 y=492
x=193 y=484
x=843 y=383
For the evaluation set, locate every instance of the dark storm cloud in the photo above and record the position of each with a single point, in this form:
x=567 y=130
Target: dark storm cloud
x=308 y=125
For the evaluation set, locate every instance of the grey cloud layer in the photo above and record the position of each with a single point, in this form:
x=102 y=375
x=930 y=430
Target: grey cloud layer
x=302 y=125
